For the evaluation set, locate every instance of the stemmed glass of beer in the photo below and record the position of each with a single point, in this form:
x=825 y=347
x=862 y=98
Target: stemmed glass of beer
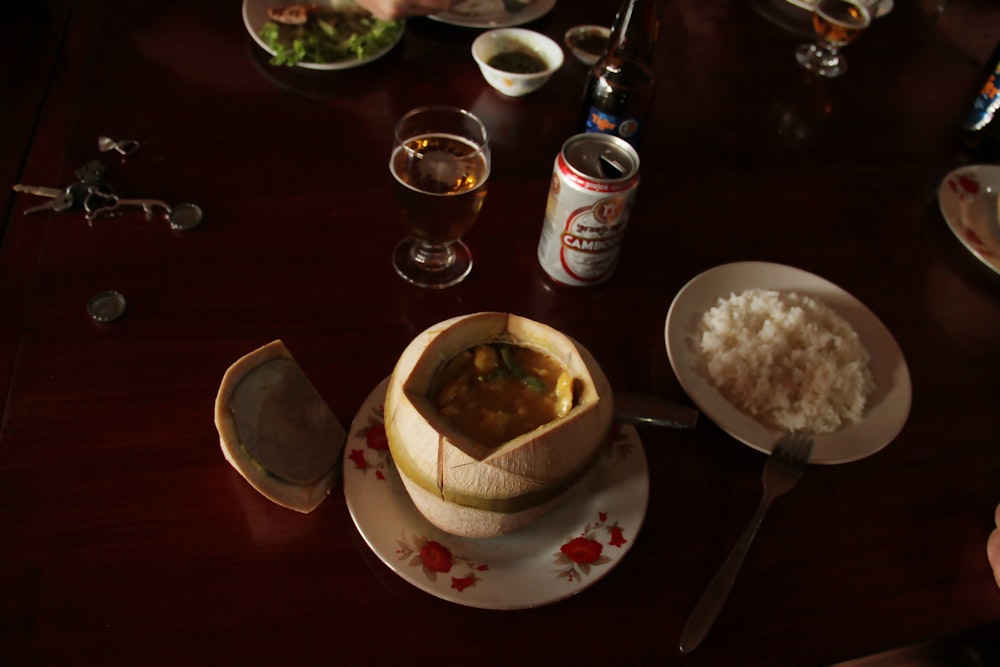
x=441 y=163
x=836 y=23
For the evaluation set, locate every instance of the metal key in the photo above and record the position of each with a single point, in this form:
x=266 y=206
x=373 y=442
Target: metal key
x=59 y=199
x=58 y=204
x=39 y=190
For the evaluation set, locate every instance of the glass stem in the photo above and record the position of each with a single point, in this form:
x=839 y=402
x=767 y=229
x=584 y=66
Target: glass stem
x=433 y=256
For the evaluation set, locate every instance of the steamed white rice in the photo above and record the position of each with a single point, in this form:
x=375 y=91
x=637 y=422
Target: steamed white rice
x=786 y=359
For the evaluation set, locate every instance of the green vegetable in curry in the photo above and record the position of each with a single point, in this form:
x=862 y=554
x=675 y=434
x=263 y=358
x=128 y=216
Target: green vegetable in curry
x=497 y=391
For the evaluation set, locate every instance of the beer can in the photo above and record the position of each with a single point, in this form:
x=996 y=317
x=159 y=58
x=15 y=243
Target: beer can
x=593 y=186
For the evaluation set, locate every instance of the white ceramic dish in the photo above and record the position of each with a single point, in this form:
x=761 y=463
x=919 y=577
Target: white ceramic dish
x=528 y=568
x=968 y=201
x=255 y=16
x=512 y=84
x=577 y=32
x=887 y=409
x=493 y=15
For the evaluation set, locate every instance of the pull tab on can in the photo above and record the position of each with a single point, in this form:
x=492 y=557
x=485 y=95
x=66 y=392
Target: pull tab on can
x=593 y=187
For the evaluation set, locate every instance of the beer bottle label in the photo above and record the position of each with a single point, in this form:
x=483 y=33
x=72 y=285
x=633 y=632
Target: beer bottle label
x=986 y=104
x=626 y=128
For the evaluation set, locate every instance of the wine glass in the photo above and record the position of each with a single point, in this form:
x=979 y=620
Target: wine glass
x=441 y=162
x=837 y=23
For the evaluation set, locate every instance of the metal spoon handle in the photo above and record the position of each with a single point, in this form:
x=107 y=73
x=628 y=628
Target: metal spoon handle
x=645 y=409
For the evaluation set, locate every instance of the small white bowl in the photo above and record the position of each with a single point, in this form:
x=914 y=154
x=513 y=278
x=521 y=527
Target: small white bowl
x=587 y=42
x=512 y=84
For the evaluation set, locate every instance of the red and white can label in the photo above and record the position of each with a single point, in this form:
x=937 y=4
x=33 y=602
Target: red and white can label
x=589 y=244
x=585 y=220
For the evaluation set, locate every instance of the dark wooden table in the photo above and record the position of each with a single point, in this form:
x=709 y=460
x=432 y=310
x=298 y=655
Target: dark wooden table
x=126 y=538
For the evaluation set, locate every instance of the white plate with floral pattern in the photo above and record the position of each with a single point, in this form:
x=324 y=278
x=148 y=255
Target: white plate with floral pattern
x=566 y=551
x=968 y=201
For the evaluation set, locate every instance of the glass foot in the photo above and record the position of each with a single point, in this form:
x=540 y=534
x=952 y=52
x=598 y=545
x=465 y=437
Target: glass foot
x=822 y=61
x=433 y=267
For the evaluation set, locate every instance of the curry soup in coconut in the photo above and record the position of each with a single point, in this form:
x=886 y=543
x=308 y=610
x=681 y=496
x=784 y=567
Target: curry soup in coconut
x=495 y=392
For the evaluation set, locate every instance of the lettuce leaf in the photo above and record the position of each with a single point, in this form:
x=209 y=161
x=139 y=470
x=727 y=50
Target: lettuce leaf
x=329 y=38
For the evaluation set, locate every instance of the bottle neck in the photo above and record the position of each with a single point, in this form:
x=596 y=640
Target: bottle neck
x=635 y=29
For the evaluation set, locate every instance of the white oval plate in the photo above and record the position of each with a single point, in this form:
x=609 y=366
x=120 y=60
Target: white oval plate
x=887 y=409
x=968 y=201
x=255 y=16
x=528 y=568
x=884 y=7
x=494 y=18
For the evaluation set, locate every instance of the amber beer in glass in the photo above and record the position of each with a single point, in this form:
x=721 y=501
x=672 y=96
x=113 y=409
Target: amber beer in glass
x=439 y=204
x=836 y=23
x=839 y=22
x=441 y=165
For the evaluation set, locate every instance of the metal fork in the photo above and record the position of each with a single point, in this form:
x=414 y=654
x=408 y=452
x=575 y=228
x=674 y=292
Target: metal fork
x=783 y=469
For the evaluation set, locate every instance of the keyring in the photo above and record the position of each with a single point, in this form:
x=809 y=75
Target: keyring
x=125 y=146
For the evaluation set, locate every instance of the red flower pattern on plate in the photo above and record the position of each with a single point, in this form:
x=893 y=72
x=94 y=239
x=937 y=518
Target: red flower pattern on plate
x=579 y=554
x=619 y=443
x=436 y=559
x=376 y=446
x=967 y=186
x=963 y=184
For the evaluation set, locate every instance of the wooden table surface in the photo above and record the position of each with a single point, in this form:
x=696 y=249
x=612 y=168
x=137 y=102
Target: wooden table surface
x=125 y=536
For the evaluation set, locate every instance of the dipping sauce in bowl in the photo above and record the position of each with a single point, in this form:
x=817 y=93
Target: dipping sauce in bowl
x=518 y=61
x=587 y=42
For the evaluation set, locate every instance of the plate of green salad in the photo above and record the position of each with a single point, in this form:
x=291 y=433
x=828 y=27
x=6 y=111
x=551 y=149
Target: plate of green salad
x=326 y=35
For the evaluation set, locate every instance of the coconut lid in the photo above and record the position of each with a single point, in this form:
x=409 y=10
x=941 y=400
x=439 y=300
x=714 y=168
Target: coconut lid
x=283 y=423
x=268 y=409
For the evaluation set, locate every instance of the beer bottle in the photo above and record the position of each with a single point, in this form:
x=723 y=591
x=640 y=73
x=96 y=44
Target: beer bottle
x=619 y=90
x=981 y=128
